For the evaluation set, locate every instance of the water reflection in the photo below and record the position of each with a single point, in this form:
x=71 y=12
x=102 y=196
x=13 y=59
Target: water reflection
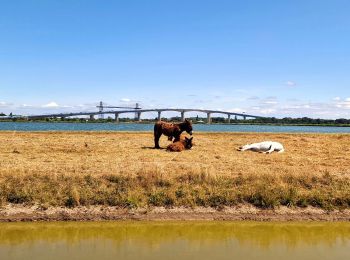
x=164 y=240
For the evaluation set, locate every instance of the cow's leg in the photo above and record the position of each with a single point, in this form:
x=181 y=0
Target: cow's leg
x=156 y=140
x=176 y=134
x=157 y=134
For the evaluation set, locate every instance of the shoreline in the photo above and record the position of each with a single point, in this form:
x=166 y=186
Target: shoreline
x=22 y=213
x=194 y=123
x=146 y=132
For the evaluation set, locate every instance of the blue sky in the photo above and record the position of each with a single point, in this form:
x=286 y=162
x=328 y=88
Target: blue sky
x=273 y=58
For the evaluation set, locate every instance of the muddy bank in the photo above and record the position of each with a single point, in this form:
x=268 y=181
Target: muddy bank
x=13 y=213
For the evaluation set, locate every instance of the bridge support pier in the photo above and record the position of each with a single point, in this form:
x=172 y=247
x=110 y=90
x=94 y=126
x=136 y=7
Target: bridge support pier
x=138 y=117
x=244 y=118
x=228 y=118
x=159 y=115
x=182 y=116
x=208 y=118
x=116 y=117
x=92 y=117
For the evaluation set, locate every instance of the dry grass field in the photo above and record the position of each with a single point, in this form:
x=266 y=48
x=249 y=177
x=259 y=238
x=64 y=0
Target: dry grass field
x=121 y=169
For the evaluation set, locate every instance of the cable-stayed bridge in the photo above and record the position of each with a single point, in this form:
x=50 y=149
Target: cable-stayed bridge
x=139 y=111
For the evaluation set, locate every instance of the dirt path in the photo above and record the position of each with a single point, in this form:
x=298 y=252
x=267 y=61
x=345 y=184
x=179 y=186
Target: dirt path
x=11 y=213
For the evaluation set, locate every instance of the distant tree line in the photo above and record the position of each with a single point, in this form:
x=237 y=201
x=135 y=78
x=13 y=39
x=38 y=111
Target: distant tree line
x=272 y=120
x=301 y=120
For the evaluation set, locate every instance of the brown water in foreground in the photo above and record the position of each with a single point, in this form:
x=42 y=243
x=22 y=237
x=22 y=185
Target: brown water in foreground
x=175 y=240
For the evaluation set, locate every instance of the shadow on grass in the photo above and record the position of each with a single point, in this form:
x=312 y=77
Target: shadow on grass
x=152 y=148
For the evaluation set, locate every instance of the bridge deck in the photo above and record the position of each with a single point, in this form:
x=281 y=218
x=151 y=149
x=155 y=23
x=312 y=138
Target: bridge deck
x=143 y=111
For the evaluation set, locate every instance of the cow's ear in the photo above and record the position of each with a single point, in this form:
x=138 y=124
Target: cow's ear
x=191 y=138
x=186 y=139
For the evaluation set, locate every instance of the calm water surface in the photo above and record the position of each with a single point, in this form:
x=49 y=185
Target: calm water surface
x=31 y=126
x=175 y=240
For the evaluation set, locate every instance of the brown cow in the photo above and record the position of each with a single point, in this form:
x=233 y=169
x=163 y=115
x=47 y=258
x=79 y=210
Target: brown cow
x=181 y=145
x=171 y=130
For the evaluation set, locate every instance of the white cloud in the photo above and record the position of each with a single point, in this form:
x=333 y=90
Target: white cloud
x=270 y=102
x=291 y=83
x=51 y=105
x=125 y=100
x=272 y=106
x=343 y=105
x=4 y=104
x=268 y=111
x=327 y=110
x=25 y=106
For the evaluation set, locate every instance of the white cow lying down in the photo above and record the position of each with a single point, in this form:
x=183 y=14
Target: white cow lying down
x=263 y=147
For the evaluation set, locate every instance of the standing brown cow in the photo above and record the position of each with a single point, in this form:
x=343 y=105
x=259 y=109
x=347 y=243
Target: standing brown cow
x=171 y=131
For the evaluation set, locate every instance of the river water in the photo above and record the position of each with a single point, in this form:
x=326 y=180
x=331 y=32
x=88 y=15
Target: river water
x=36 y=126
x=175 y=240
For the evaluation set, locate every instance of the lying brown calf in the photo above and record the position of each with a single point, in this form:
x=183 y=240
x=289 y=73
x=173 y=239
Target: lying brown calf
x=180 y=145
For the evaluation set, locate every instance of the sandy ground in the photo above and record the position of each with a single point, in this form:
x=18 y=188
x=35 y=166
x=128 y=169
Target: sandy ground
x=105 y=152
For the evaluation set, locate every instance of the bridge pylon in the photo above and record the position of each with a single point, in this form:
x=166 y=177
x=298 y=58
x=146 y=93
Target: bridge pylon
x=138 y=117
x=100 y=110
x=208 y=118
x=182 y=116
x=116 y=117
x=137 y=114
